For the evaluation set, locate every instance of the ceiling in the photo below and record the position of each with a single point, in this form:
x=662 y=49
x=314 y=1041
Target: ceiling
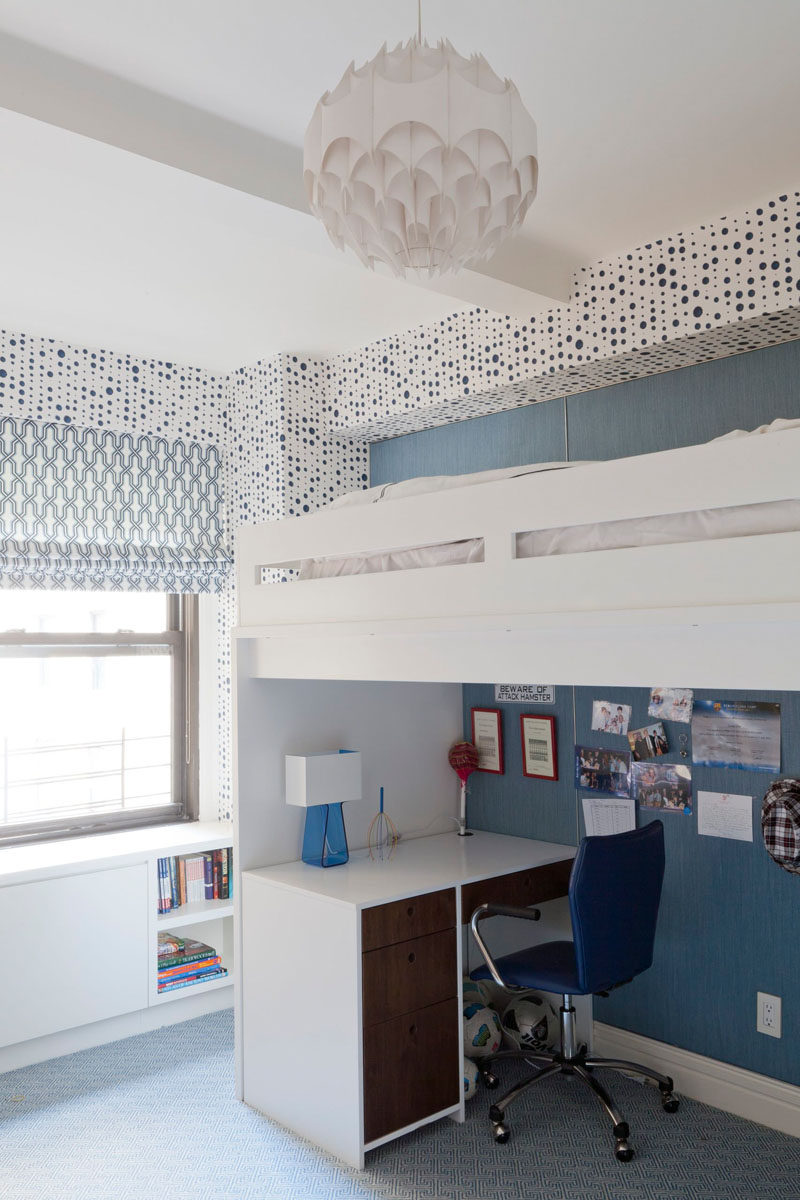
x=652 y=114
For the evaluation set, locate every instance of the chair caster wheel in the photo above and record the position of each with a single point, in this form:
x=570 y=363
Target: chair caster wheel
x=501 y=1134
x=623 y=1151
x=669 y=1103
x=489 y=1080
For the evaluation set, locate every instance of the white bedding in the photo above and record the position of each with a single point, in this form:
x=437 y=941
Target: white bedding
x=739 y=521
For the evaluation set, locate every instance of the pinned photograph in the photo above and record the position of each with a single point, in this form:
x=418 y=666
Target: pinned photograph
x=648 y=742
x=608 y=717
x=605 y=771
x=664 y=786
x=671 y=704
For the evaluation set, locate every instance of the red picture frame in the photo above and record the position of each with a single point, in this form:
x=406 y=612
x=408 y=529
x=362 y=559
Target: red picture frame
x=539 y=750
x=487 y=738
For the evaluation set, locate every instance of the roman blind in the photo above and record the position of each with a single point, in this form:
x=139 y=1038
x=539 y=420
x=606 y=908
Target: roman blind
x=96 y=509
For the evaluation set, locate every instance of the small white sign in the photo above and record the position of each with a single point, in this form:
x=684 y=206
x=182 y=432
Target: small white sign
x=603 y=816
x=720 y=814
x=524 y=693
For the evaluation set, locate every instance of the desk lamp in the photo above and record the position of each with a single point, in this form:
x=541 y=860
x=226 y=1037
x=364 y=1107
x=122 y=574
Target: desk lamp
x=321 y=783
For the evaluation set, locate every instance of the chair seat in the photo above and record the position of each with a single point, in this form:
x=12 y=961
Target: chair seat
x=550 y=967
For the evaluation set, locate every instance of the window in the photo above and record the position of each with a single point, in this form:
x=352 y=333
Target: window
x=98 y=704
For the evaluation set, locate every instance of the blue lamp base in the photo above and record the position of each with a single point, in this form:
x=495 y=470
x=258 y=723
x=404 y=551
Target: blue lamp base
x=324 y=838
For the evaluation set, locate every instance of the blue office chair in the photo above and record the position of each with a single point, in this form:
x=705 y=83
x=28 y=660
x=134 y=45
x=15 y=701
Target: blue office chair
x=614 y=892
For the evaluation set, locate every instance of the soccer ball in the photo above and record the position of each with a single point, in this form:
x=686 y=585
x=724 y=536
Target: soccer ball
x=470 y=1072
x=482 y=1032
x=530 y=1023
x=477 y=991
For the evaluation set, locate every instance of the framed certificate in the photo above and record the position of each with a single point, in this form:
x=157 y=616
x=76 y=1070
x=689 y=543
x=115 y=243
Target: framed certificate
x=539 y=760
x=487 y=738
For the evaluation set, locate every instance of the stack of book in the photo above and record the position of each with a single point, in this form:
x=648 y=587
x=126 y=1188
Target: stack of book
x=188 y=878
x=183 y=961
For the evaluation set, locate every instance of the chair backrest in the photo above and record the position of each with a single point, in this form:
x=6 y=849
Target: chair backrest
x=614 y=893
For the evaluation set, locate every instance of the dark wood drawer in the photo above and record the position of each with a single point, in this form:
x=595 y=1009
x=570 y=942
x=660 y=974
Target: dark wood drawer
x=522 y=888
x=409 y=975
x=386 y=924
x=411 y=1068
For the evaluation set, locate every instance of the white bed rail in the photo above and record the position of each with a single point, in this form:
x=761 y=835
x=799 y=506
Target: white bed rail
x=761 y=570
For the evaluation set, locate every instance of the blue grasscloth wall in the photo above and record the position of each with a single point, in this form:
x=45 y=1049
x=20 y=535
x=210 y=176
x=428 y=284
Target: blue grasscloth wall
x=730 y=918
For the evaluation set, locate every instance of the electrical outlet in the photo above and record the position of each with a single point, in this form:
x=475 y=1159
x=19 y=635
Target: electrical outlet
x=768 y=1014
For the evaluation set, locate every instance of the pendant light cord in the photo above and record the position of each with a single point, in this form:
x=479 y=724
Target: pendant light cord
x=419 y=21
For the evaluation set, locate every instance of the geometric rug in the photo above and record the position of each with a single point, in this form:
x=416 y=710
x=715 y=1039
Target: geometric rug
x=155 y=1116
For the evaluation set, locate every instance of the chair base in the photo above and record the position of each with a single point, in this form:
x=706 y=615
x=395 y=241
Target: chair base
x=572 y=1060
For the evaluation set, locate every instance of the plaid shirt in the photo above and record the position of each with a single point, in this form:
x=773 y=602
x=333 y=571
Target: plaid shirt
x=780 y=823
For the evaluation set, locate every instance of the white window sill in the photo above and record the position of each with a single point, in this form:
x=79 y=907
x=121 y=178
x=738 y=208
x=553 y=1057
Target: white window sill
x=73 y=856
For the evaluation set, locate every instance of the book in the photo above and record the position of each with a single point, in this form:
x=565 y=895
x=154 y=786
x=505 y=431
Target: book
x=169 y=944
x=217 y=973
x=165 y=903
x=192 y=951
x=224 y=869
x=195 y=877
x=190 y=968
x=208 y=877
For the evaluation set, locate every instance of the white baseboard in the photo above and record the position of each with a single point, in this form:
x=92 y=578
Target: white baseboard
x=54 y=1045
x=757 y=1097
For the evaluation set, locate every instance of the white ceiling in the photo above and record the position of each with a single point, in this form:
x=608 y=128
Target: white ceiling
x=101 y=247
x=653 y=115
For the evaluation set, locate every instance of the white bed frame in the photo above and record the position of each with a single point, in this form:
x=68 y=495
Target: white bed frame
x=723 y=613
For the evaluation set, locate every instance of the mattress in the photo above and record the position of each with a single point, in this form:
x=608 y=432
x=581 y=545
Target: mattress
x=782 y=516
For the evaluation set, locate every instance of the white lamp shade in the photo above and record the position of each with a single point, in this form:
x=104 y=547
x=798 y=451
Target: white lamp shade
x=331 y=777
x=422 y=160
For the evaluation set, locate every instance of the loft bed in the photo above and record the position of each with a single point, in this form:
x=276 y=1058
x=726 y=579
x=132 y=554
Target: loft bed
x=680 y=567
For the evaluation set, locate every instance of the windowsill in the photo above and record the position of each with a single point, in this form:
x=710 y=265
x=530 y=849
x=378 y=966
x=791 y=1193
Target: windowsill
x=71 y=856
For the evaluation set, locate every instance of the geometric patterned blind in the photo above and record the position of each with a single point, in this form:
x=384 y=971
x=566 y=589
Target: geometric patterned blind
x=94 y=509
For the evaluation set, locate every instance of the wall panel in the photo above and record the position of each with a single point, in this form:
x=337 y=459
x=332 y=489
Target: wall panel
x=728 y=924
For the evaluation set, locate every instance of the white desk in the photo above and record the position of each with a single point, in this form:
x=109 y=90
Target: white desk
x=351 y=988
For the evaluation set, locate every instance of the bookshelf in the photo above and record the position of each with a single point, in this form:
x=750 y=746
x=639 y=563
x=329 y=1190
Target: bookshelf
x=209 y=921
x=100 y=891
x=190 y=914
x=217 y=931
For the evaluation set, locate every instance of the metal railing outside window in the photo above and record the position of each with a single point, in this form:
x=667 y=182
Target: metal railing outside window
x=97 y=729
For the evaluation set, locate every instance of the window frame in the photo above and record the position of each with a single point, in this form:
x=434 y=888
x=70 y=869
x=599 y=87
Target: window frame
x=180 y=640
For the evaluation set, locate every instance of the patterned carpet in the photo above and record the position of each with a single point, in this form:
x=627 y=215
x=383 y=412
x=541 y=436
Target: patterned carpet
x=154 y=1116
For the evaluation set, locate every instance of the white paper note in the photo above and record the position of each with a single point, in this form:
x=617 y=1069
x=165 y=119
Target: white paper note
x=608 y=814
x=719 y=814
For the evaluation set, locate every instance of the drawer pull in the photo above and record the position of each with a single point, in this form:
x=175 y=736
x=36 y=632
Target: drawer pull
x=412 y=957
x=412 y=1031
x=410 y=910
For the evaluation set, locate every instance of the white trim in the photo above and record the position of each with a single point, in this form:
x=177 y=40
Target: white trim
x=207 y=707
x=54 y=1045
x=770 y=1102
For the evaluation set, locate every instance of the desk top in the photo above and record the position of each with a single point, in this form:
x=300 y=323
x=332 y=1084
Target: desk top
x=418 y=865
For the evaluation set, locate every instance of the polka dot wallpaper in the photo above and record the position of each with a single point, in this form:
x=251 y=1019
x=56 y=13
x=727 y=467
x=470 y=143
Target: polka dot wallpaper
x=719 y=289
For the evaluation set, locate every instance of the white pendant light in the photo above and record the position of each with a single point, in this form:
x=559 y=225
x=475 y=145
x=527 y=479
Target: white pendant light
x=421 y=159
